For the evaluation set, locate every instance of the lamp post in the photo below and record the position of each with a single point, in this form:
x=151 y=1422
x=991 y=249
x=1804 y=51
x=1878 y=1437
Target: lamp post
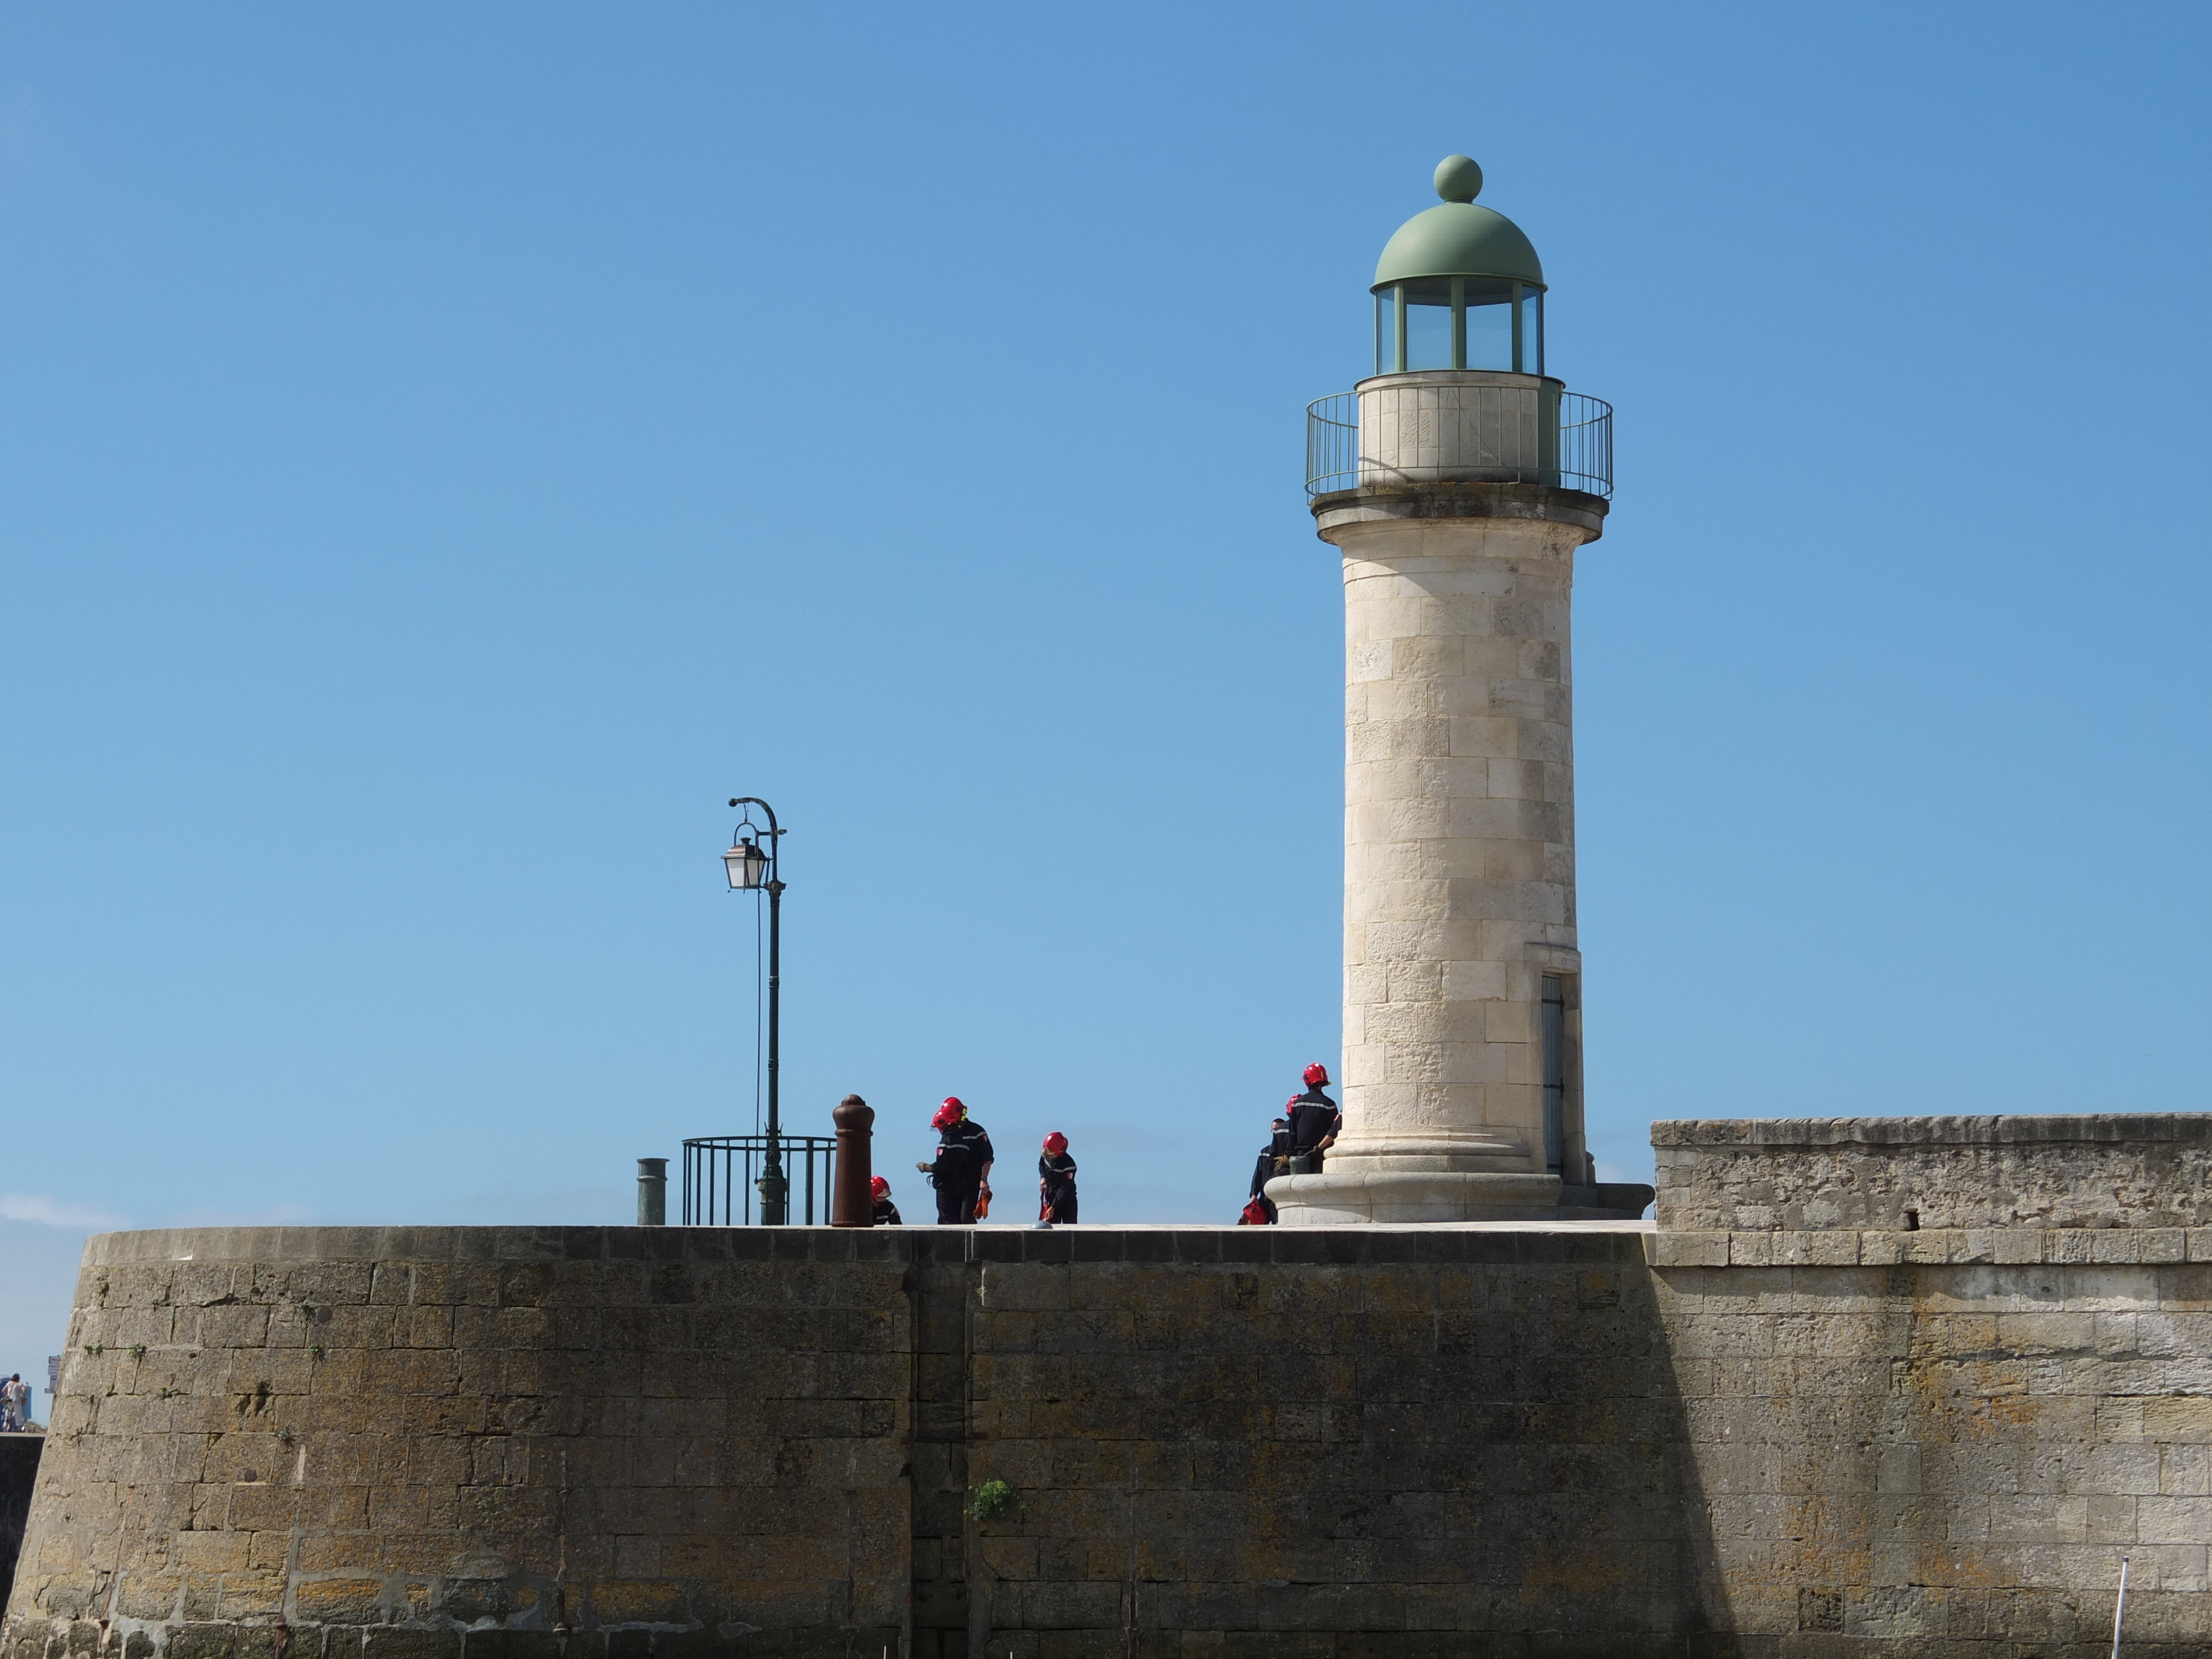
x=753 y=869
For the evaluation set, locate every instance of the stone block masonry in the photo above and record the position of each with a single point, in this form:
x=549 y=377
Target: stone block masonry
x=1459 y=858
x=2095 y=1170
x=333 y=1441
x=19 y=1468
x=1521 y=1439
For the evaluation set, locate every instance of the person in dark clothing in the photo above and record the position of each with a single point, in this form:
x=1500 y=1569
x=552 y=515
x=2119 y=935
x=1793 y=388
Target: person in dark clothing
x=962 y=1171
x=1274 y=1159
x=1315 y=1119
x=1056 y=1181
x=886 y=1214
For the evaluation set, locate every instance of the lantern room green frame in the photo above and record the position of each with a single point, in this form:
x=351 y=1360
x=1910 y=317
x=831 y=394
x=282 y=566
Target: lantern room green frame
x=1394 y=302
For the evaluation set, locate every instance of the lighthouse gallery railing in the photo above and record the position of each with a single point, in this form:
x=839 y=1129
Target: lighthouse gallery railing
x=1576 y=443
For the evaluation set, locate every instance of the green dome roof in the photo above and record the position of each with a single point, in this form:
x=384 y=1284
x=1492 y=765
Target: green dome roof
x=1458 y=239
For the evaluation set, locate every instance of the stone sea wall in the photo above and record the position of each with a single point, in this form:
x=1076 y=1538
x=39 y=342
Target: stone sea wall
x=19 y=1468
x=291 y=1441
x=2094 y=1170
x=1592 y=1439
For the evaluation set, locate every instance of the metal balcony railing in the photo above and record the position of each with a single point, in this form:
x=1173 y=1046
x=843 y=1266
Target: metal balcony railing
x=1486 y=435
x=720 y=1170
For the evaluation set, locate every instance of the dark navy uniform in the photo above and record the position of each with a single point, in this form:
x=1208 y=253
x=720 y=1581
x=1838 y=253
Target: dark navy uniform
x=1274 y=1159
x=1056 y=1173
x=886 y=1215
x=1313 y=1119
x=964 y=1152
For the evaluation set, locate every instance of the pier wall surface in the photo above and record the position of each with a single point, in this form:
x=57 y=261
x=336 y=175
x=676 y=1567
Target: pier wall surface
x=1513 y=1439
x=19 y=1469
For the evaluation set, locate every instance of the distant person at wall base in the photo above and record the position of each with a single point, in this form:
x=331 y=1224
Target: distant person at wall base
x=886 y=1212
x=1274 y=1159
x=1056 y=1183
x=1314 y=1122
x=15 y=1404
x=962 y=1171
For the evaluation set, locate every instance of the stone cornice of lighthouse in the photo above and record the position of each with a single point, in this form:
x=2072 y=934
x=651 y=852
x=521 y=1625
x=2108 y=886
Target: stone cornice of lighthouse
x=1382 y=504
x=1451 y=494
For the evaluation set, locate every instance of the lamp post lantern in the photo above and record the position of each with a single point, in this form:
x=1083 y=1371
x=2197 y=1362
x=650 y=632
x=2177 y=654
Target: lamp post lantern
x=754 y=868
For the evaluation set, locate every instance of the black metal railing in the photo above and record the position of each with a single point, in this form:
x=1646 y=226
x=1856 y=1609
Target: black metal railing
x=1574 y=448
x=1332 y=443
x=720 y=1170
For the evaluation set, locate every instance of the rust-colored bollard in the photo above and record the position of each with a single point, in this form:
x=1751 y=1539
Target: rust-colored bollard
x=852 y=1204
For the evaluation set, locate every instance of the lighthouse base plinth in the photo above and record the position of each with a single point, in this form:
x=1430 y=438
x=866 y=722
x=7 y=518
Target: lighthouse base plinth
x=1338 y=1198
x=1403 y=1197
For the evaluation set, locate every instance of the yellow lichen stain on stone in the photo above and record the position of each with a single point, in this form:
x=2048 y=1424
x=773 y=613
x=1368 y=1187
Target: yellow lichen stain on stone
x=1555 y=1572
x=636 y=1602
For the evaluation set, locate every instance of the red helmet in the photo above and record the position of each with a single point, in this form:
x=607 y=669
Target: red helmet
x=1292 y=1102
x=948 y=1114
x=1316 y=1074
x=880 y=1186
x=1055 y=1143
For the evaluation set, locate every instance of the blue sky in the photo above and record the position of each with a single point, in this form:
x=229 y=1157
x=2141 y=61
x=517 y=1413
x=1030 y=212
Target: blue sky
x=445 y=453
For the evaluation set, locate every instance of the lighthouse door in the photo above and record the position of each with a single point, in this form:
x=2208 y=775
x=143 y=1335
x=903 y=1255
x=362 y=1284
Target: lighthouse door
x=1555 y=1072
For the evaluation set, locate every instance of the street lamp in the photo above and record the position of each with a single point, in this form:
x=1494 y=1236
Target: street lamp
x=747 y=864
x=753 y=869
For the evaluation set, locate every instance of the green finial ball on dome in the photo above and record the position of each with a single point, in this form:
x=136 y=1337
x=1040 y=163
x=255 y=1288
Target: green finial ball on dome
x=1458 y=179
x=1458 y=237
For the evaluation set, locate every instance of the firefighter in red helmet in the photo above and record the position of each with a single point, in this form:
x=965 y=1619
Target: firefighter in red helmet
x=1055 y=1181
x=1315 y=1120
x=886 y=1214
x=1274 y=1159
x=962 y=1172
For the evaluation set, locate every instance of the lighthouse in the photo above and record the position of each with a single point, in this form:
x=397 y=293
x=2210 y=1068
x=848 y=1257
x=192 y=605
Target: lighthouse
x=1458 y=482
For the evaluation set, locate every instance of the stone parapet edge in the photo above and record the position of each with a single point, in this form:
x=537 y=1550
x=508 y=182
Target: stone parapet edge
x=1934 y=1247
x=1534 y=1244
x=1556 y=1244
x=2091 y=1127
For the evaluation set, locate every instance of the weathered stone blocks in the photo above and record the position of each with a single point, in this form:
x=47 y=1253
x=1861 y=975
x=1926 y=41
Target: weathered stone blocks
x=1459 y=809
x=2095 y=1172
x=550 y=1433
x=1604 y=1440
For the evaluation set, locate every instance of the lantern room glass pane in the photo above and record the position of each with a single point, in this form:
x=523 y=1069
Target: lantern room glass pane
x=1489 y=323
x=1532 y=330
x=1386 y=331
x=1428 y=323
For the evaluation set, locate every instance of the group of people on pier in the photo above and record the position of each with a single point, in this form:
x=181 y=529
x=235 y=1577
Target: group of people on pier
x=961 y=1171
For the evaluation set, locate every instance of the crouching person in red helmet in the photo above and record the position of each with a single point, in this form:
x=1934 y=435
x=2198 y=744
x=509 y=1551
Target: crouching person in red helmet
x=1315 y=1120
x=1274 y=1159
x=886 y=1214
x=962 y=1172
x=1056 y=1181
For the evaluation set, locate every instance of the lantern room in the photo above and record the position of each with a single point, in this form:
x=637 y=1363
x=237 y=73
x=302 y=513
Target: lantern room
x=1459 y=287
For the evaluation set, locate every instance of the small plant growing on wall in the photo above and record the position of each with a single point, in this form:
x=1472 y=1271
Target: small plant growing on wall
x=992 y=1499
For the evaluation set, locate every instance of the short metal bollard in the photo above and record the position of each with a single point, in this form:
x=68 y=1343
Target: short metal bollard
x=852 y=1203
x=652 y=1192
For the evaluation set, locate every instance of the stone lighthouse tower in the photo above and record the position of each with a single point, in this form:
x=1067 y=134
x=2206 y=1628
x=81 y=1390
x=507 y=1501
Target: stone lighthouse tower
x=1458 y=482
